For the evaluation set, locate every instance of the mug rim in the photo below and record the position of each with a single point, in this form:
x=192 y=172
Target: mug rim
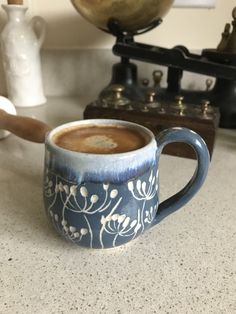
x=49 y=137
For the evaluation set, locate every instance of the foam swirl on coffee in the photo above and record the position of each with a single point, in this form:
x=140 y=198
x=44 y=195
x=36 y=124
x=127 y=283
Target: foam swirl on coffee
x=103 y=139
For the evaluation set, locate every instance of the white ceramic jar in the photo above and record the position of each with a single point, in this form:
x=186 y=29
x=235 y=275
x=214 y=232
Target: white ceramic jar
x=21 y=57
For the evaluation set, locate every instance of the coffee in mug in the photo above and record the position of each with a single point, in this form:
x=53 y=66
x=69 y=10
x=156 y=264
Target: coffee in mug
x=102 y=139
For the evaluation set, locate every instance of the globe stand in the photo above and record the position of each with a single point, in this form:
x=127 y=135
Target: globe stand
x=124 y=72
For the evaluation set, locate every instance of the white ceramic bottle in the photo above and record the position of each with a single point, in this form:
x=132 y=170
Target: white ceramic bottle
x=20 y=47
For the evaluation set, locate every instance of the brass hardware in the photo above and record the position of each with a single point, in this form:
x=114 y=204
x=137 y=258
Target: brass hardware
x=151 y=102
x=225 y=37
x=151 y=94
x=133 y=15
x=231 y=43
x=154 y=105
x=205 y=107
x=179 y=106
x=112 y=97
x=157 y=77
x=117 y=91
x=145 y=109
x=179 y=100
x=209 y=83
x=162 y=110
x=228 y=41
x=181 y=111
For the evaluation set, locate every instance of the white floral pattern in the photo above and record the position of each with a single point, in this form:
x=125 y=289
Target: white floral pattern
x=104 y=210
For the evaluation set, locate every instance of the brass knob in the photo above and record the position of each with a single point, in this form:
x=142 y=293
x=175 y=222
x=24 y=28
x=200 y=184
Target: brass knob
x=145 y=109
x=181 y=111
x=151 y=102
x=114 y=96
x=205 y=107
x=117 y=90
x=162 y=110
x=151 y=96
x=157 y=77
x=179 y=100
x=180 y=106
x=209 y=83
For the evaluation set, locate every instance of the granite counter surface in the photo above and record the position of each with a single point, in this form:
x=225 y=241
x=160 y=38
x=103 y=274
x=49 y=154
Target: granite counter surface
x=186 y=264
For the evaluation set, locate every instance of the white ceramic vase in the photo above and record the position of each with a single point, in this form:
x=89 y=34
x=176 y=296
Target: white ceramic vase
x=21 y=57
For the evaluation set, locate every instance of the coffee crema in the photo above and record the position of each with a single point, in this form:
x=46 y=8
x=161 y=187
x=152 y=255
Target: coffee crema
x=104 y=139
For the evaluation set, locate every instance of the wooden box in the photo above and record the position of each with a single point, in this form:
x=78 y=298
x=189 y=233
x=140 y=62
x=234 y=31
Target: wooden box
x=204 y=122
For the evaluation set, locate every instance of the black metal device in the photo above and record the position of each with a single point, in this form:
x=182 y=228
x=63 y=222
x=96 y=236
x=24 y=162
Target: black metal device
x=212 y=62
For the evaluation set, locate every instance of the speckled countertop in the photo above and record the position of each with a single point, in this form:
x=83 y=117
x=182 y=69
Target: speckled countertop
x=186 y=264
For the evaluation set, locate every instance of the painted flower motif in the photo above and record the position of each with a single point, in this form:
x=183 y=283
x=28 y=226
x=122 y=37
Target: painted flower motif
x=61 y=187
x=84 y=231
x=57 y=189
x=138 y=185
x=142 y=190
x=113 y=194
x=66 y=189
x=80 y=199
x=120 y=226
x=83 y=191
x=103 y=220
x=150 y=214
x=144 y=187
x=72 y=229
x=126 y=222
x=130 y=186
x=121 y=218
x=115 y=217
x=73 y=190
x=150 y=178
x=75 y=234
x=94 y=199
x=105 y=186
x=137 y=228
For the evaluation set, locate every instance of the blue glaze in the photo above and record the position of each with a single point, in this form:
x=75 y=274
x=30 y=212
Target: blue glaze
x=103 y=201
x=203 y=159
x=100 y=168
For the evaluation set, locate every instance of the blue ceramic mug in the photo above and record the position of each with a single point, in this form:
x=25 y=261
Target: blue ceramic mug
x=103 y=201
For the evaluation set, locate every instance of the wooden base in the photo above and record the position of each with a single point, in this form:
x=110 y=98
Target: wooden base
x=205 y=125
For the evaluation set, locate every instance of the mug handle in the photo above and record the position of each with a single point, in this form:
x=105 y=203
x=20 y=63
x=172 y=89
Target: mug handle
x=191 y=138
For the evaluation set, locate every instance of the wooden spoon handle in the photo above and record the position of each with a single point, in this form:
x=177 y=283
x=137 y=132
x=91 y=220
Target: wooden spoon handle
x=27 y=128
x=15 y=2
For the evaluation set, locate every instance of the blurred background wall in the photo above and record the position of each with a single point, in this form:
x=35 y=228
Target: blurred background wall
x=194 y=28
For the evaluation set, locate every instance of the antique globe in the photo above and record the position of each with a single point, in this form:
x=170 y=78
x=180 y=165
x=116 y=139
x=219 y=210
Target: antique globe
x=133 y=15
